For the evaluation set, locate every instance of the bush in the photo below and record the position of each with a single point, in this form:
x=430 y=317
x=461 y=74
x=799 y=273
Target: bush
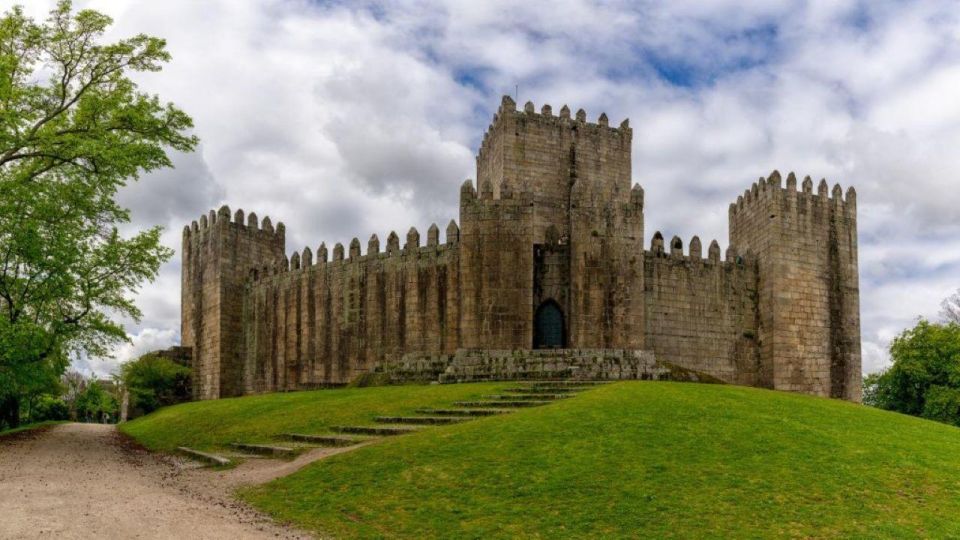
x=924 y=379
x=942 y=404
x=94 y=404
x=50 y=408
x=155 y=382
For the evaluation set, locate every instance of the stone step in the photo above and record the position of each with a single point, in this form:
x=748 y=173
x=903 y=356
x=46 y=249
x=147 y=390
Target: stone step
x=533 y=397
x=566 y=383
x=419 y=420
x=463 y=412
x=501 y=403
x=325 y=440
x=212 y=459
x=265 y=449
x=546 y=389
x=376 y=430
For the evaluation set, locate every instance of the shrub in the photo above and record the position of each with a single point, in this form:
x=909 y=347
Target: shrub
x=942 y=403
x=95 y=404
x=155 y=382
x=924 y=379
x=50 y=408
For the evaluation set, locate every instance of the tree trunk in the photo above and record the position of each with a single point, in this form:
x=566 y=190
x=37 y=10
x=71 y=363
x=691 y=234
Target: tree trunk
x=10 y=411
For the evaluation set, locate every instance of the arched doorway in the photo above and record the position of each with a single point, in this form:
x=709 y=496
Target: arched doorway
x=548 y=326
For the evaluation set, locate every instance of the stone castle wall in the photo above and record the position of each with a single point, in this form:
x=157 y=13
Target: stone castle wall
x=701 y=312
x=553 y=223
x=309 y=323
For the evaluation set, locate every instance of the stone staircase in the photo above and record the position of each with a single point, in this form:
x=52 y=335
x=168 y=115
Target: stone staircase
x=523 y=395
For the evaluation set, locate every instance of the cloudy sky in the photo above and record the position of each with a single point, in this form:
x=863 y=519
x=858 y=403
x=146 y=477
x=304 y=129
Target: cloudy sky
x=345 y=119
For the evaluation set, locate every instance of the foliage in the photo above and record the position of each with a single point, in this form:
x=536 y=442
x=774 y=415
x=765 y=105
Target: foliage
x=155 y=382
x=49 y=408
x=74 y=128
x=870 y=384
x=925 y=375
x=94 y=404
x=641 y=460
x=951 y=308
x=942 y=403
x=73 y=384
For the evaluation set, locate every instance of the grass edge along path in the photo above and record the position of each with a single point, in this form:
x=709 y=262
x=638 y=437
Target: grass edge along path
x=642 y=459
x=47 y=424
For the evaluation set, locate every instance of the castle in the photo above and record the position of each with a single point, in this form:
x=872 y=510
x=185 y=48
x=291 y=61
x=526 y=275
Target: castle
x=546 y=274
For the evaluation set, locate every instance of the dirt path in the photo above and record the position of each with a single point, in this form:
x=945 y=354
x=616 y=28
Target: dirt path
x=88 y=481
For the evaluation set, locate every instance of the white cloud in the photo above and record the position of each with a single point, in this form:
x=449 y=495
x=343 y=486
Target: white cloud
x=142 y=342
x=347 y=119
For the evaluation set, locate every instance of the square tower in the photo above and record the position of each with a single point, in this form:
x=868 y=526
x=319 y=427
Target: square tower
x=805 y=245
x=571 y=236
x=218 y=258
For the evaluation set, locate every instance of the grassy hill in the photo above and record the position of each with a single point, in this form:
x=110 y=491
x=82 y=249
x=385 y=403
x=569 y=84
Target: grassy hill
x=637 y=459
x=212 y=425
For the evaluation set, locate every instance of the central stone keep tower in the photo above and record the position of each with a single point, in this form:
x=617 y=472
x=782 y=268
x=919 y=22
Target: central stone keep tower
x=554 y=236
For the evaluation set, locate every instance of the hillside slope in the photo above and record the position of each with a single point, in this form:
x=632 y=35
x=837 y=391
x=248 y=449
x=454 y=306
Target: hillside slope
x=211 y=425
x=642 y=459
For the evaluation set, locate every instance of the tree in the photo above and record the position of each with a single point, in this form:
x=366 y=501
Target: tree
x=95 y=404
x=66 y=147
x=49 y=408
x=73 y=384
x=950 y=308
x=924 y=379
x=155 y=382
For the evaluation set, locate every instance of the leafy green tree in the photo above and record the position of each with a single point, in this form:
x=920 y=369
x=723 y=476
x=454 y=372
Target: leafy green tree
x=49 y=407
x=942 y=403
x=155 y=382
x=96 y=404
x=924 y=379
x=74 y=128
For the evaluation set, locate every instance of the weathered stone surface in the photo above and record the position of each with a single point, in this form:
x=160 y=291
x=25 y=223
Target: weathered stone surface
x=807 y=303
x=549 y=251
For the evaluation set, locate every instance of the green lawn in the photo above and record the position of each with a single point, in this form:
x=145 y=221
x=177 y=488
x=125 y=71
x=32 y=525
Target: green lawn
x=28 y=427
x=636 y=459
x=639 y=459
x=211 y=425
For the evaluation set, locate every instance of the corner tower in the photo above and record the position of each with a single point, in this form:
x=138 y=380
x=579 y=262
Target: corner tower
x=805 y=244
x=218 y=255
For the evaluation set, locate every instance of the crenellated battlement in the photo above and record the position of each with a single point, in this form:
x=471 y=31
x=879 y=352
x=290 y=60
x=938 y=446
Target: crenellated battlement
x=504 y=194
x=221 y=218
x=658 y=250
x=508 y=114
x=766 y=190
x=303 y=261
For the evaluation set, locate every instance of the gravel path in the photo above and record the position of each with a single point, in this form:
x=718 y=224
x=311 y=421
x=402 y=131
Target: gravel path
x=88 y=481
